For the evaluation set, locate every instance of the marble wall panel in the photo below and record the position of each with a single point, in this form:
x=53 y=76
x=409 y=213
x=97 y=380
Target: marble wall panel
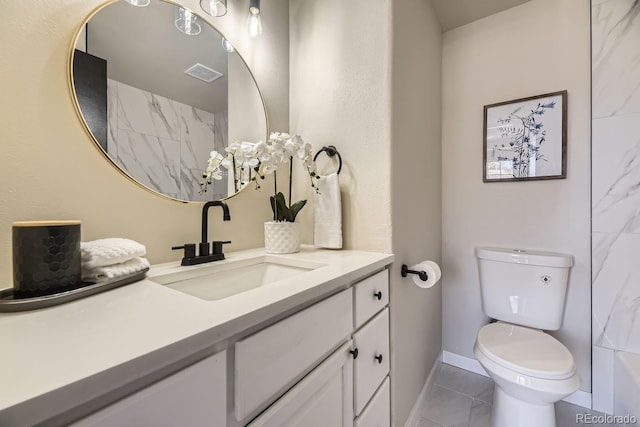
x=139 y=122
x=112 y=118
x=197 y=137
x=147 y=113
x=616 y=291
x=153 y=161
x=616 y=174
x=615 y=57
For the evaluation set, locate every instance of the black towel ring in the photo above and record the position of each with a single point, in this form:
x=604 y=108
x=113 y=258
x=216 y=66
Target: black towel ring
x=331 y=151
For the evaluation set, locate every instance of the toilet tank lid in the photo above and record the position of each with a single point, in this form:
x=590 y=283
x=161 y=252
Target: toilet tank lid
x=525 y=256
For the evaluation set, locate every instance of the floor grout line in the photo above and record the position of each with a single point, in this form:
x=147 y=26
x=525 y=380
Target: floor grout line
x=454 y=391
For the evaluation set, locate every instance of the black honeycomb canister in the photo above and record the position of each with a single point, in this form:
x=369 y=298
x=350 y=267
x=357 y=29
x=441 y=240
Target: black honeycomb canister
x=46 y=257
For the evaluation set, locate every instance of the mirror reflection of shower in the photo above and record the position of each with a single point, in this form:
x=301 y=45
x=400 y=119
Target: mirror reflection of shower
x=158 y=99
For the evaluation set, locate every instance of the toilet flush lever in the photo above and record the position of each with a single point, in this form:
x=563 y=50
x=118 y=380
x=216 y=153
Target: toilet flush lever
x=545 y=279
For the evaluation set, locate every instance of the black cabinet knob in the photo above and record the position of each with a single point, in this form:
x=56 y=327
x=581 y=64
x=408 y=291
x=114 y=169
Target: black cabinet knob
x=378 y=295
x=378 y=358
x=354 y=353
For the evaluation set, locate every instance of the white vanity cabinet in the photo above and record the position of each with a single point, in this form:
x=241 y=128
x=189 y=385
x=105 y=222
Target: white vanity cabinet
x=349 y=388
x=372 y=363
x=370 y=295
x=326 y=365
x=321 y=399
x=271 y=360
x=194 y=397
x=378 y=412
x=371 y=338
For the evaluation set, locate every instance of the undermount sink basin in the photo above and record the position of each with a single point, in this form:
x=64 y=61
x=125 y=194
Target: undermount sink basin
x=217 y=281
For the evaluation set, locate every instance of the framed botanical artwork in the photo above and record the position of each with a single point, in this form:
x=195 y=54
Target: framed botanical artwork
x=526 y=139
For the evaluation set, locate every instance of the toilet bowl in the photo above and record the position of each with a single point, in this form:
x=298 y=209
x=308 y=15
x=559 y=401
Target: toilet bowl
x=525 y=291
x=531 y=370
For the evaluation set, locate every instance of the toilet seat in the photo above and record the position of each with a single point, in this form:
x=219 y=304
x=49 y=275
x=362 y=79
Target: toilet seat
x=526 y=351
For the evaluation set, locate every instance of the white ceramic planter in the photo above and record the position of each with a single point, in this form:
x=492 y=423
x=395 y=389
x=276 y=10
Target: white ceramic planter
x=281 y=237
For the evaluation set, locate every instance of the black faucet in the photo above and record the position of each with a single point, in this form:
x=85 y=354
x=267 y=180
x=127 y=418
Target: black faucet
x=205 y=255
x=204 y=243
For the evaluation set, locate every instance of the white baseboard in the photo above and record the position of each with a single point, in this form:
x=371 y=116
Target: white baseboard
x=463 y=362
x=580 y=398
x=414 y=415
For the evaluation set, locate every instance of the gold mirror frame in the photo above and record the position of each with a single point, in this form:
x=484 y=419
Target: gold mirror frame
x=86 y=127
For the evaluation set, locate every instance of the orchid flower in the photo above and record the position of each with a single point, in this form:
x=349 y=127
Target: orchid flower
x=253 y=160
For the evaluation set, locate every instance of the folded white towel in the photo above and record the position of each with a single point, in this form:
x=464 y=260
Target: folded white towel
x=328 y=213
x=103 y=252
x=100 y=274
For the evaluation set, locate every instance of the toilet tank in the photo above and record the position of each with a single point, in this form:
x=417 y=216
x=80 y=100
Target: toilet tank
x=524 y=287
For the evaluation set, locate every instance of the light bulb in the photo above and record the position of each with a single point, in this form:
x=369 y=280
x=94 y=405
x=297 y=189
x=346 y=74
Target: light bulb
x=254 y=24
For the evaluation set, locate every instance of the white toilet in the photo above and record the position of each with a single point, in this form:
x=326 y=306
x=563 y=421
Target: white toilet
x=525 y=292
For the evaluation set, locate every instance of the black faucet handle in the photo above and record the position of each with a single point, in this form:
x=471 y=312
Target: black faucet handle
x=189 y=249
x=204 y=248
x=217 y=246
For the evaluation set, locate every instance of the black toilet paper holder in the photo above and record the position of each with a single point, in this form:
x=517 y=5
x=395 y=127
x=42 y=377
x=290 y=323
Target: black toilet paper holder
x=422 y=274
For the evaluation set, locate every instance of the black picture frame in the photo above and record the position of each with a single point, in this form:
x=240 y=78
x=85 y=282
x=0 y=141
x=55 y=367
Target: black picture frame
x=526 y=139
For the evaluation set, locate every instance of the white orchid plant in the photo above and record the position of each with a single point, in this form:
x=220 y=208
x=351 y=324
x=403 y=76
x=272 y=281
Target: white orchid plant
x=252 y=161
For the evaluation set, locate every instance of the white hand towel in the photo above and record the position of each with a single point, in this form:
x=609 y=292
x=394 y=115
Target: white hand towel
x=103 y=252
x=100 y=274
x=328 y=213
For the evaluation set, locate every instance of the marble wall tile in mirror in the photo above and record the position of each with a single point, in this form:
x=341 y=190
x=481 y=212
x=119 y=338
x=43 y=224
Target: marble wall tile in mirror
x=153 y=121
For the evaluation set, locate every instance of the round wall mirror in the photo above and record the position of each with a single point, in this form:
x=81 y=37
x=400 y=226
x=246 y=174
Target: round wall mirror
x=157 y=89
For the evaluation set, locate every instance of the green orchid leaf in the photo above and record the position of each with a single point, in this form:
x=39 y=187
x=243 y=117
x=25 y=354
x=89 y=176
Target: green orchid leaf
x=281 y=212
x=295 y=209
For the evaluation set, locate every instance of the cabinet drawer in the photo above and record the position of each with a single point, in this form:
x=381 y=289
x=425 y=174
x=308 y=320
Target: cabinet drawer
x=195 y=396
x=274 y=358
x=372 y=363
x=371 y=296
x=322 y=398
x=378 y=412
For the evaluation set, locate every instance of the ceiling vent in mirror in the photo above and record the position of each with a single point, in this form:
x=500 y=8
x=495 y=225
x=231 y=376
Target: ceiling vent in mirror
x=202 y=72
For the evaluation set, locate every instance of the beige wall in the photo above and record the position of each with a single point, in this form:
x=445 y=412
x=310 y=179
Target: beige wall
x=539 y=47
x=415 y=197
x=339 y=95
x=50 y=168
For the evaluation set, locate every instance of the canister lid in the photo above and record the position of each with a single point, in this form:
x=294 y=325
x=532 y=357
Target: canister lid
x=525 y=256
x=48 y=223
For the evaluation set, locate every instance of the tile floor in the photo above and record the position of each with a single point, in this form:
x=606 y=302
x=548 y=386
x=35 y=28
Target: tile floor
x=458 y=398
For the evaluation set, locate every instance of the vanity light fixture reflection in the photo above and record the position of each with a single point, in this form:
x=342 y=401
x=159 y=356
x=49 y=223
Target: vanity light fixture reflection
x=214 y=7
x=187 y=22
x=254 y=24
x=226 y=45
x=139 y=3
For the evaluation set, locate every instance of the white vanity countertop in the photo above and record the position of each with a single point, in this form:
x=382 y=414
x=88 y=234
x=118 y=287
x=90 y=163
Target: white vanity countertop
x=72 y=353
